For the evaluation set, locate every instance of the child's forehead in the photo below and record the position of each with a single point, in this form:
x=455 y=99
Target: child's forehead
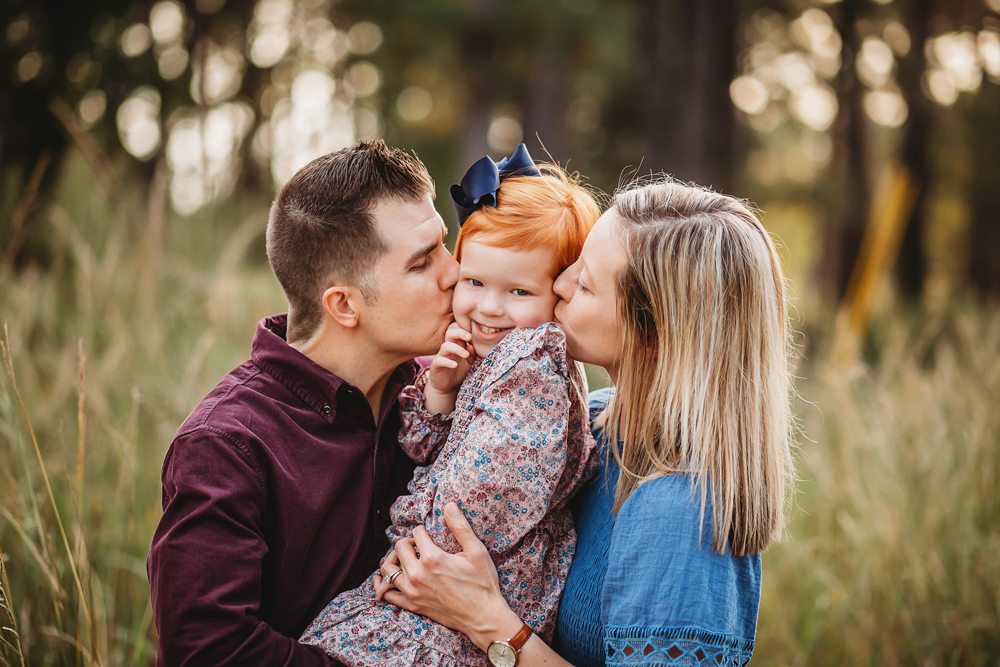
x=512 y=263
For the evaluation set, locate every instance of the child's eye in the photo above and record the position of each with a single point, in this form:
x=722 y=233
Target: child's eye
x=475 y=283
x=522 y=292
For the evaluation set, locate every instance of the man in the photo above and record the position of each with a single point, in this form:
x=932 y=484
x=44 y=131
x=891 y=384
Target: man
x=277 y=488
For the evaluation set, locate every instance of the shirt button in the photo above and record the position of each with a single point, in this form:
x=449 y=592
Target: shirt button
x=327 y=410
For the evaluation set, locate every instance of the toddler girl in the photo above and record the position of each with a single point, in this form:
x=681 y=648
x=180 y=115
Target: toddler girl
x=512 y=444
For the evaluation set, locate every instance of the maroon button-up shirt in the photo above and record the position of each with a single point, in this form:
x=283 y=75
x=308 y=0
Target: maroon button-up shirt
x=276 y=496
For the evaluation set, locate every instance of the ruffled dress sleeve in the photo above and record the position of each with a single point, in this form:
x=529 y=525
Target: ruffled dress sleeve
x=421 y=433
x=669 y=598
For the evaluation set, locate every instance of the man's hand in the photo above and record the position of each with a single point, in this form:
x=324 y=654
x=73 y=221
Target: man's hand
x=448 y=369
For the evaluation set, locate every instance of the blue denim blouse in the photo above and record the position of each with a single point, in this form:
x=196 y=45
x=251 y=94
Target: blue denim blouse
x=641 y=590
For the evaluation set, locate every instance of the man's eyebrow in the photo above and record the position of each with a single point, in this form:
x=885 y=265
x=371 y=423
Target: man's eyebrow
x=420 y=254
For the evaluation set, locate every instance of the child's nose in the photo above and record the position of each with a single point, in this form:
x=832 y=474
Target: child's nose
x=491 y=305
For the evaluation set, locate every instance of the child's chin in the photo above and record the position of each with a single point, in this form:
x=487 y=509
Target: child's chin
x=483 y=349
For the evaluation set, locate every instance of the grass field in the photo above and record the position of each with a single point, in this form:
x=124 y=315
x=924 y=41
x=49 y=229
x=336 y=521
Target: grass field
x=892 y=556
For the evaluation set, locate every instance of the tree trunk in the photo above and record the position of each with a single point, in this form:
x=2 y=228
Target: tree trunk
x=912 y=263
x=984 y=230
x=847 y=222
x=705 y=128
x=687 y=60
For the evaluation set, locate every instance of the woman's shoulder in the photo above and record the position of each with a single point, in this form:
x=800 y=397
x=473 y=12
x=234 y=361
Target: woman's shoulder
x=662 y=497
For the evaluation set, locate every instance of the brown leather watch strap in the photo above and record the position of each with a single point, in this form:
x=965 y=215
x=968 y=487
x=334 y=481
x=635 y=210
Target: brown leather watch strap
x=517 y=641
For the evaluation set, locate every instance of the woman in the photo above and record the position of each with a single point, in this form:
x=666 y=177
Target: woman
x=679 y=294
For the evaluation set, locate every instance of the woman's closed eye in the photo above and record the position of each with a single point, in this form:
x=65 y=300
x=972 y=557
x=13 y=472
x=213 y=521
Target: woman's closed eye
x=580 y=285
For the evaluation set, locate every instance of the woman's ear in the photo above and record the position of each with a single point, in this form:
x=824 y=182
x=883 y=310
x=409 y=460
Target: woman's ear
x=341 y=303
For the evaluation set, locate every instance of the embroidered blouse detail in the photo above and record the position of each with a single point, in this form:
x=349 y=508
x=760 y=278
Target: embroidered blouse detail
x=512 y=454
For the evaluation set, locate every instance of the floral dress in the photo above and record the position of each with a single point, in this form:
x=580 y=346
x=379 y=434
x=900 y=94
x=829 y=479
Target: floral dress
x=512 y=454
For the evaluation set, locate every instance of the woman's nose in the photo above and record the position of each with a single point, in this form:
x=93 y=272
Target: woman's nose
x=563 y=286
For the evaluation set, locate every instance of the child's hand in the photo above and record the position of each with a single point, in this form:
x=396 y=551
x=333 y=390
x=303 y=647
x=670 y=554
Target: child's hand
x=450 y=366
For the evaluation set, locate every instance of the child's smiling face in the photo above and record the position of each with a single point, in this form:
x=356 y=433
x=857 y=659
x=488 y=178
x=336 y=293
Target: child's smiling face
x=502 y=289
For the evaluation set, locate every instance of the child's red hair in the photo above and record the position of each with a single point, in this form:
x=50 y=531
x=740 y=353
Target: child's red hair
x=551 y=210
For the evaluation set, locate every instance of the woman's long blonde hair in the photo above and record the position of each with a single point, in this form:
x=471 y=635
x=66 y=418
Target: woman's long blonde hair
x=704 y=381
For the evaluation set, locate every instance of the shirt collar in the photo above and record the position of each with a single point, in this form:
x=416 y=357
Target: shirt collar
x=304 y=377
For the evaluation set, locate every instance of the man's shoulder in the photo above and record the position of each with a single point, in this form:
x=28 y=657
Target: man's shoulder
x=222 y=408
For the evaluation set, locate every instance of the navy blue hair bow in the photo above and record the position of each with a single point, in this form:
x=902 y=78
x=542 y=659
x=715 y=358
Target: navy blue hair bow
x=480 y=184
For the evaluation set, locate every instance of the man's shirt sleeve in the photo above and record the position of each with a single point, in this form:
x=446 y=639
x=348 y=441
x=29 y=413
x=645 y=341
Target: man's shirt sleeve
x=206 y=558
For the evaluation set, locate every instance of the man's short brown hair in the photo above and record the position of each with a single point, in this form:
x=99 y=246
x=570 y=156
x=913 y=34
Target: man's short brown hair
x=322 y=229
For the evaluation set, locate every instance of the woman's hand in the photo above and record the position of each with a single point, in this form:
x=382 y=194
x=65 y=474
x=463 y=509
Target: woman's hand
x=448 y=369
x=460 y=591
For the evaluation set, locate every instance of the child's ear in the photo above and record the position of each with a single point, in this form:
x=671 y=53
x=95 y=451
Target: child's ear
x=341 y=303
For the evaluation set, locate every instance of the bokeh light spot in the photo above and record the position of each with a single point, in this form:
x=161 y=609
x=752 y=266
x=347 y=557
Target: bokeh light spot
x=138 y=120
x=886 y=107
x=504 y=134
x=749 y=94
x=172 y=62
x=29 y=66
x=795 y=71
x=221 y=76
x=330 y=46
x=365 y=37
x=269 y=46
x=940 y=87
x=815 y=107
x=364 y=77
x=135 y=40
x=898 y=37
x=989 y=52
x=875 y=62
x=414 y=104
x=92 y=108
x=166 y=21
x=18 y=29
x=958 y=55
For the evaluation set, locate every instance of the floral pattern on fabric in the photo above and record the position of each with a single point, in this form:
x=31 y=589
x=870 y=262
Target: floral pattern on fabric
x=512 y=454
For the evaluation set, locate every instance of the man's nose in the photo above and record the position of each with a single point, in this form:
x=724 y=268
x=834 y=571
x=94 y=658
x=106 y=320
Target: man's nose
x=449 y=272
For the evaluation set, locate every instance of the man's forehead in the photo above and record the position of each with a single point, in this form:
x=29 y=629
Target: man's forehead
x=407 y=214
x=406 y=221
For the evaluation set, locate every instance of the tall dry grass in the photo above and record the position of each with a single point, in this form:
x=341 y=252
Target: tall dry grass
x=893 y=554
x=105 y=351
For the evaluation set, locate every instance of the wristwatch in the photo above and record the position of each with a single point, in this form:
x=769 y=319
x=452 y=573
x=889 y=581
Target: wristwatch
x=502 y=653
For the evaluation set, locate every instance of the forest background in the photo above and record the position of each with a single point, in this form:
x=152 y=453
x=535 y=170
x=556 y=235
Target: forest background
x=141 y=142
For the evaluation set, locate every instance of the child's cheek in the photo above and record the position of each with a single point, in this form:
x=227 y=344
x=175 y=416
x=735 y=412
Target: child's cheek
x=462 y=309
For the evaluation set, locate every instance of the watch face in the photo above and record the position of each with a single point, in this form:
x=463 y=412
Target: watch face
x=500 y=654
